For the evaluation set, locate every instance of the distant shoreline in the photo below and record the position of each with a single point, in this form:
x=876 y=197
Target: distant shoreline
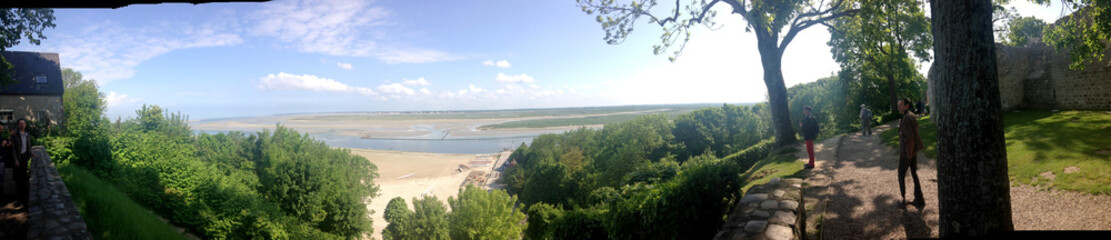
x=466 y=110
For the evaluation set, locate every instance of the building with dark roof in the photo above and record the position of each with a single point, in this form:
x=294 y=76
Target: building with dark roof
x=37 y=93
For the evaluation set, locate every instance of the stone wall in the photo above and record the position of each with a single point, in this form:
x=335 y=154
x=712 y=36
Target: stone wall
x=771 y=211
x=1038 y=77
x=35 y=107
x=51 y=213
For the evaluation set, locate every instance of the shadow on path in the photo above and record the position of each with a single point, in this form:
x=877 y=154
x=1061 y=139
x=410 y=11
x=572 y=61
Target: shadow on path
x=13 y=210
x=861 y=192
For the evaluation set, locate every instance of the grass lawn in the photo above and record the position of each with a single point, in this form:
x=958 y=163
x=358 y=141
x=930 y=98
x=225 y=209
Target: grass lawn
x=108 y=213
x=782 y=164
x=1042 y=141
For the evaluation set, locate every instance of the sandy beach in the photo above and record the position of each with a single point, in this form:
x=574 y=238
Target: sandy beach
x=410 y=174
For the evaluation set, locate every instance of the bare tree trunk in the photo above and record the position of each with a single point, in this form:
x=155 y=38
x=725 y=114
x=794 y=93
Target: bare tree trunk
x=772 y=58
x=973 y=187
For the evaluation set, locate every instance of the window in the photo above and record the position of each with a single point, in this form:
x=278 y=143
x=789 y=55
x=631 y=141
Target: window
x=6 y=116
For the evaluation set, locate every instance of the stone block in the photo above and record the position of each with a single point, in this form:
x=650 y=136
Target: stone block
x=739 y=235
x=762 y=214
x=769 y=204
x=754 y=197
x=784 y=217
x=779 y=232
x=778 y=193
x=774 y=181
x=789 y=204
x=755 y=226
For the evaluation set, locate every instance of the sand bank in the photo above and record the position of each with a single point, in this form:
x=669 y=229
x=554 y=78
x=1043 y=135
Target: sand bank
x=418 y=172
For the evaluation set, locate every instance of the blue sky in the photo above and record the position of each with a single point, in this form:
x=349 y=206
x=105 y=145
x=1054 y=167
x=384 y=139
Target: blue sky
x=245 y=59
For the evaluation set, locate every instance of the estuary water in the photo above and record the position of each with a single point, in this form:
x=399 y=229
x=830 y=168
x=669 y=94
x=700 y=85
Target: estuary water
x=447 y=145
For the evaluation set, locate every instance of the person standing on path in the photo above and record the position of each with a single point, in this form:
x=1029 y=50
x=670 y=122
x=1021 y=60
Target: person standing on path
x=22 y=140
x=809 y=126
x=865 y=120
x=909 y=145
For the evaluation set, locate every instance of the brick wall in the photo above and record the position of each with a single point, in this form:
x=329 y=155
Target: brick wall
x=1038 y=77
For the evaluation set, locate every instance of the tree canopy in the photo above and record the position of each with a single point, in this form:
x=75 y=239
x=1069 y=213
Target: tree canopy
x=877 y=47
x=1083 y=33
x=1021 y=30
x=775 y=23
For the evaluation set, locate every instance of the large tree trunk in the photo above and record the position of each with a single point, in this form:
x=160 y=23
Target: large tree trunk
x=772 y=60
x=973 y=187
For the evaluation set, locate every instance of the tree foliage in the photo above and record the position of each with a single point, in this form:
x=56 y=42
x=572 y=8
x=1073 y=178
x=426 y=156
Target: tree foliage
x=18 y=24
x=478 y=214
x=643 y=179
x=877 y=48
x=1083 y=33
x=399 y=217
x=276 y=184
x=1021 y=30
x=775 y=23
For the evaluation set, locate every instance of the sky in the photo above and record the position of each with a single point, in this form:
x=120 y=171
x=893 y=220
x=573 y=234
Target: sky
x=222 y=60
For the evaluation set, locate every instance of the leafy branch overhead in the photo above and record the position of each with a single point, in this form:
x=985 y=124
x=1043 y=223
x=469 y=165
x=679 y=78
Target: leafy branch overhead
x=767 y=17
x=1083 y=32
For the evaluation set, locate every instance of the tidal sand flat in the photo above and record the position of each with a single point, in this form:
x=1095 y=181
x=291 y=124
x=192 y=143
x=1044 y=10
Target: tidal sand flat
x=409 y=175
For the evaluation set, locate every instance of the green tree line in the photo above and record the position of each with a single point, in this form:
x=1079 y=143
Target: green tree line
x=276 y=184
x=475 y=214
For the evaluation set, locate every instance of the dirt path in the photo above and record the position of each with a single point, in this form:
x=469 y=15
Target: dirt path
x=855 y=189
x=13 y=210
x=862 y=192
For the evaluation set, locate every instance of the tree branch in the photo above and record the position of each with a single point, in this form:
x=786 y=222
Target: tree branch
x=799 y=26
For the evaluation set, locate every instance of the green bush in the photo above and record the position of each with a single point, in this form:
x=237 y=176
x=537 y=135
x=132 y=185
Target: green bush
x=746 y=158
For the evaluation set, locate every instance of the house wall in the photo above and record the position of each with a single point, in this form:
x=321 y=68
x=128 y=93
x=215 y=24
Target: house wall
x=35 y=108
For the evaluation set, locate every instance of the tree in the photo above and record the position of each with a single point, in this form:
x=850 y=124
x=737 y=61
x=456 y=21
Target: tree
x=478 y=214
x=876 y=45
x=1020 y=30
x=85 y=121
x=17 y=24
x=973 y=186
x=429 y=219
x=1083 y=32
x=400 y=217
x=767 y=19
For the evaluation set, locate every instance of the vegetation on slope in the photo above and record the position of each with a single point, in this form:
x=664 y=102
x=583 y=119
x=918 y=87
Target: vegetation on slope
x=108 y=213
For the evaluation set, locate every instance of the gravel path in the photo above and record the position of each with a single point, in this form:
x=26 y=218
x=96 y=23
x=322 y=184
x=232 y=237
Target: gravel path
x=856 y=188
x=863 y=193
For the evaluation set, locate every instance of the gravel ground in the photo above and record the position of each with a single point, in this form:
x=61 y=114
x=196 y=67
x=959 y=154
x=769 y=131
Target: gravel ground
x=861 y=192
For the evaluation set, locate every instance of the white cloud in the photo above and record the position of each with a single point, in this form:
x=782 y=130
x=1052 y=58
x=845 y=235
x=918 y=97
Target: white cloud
x=474 y=89
x=425 y=91
x=345 y=65
x=107 y=51
x=395 y=89
x=416 y=82
x=500 y=64
x=339 y=28
x=115 y=99
x=285 y=81
x=519 y=78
